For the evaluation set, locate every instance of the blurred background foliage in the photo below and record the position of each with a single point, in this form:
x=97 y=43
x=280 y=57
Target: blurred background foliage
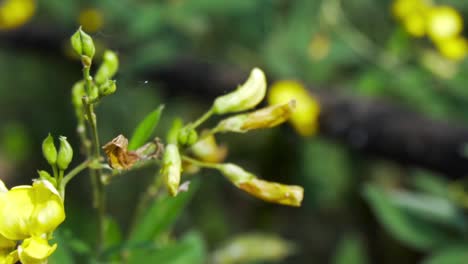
x=357 y=209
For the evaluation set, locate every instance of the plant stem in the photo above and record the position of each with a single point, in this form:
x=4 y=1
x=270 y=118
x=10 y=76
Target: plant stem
x=202 y=119
x=99 y=200
x=70 y=175
x=201 y=163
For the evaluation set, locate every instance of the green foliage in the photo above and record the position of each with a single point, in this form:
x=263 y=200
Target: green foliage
x=145 y=129
x=350 y=250
x=411 y=224
x=189 y=249
x=449 y=255
x=160 y=215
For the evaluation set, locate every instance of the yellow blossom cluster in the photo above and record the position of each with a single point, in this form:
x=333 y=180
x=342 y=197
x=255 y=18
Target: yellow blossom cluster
x=442 y=24
x=28 y=216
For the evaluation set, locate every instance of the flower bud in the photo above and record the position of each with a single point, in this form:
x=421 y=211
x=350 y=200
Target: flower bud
x=235 y=173
x=78 y=91
x=44 y=175
x=107 y=88
x=268 y=191
x=65 y=154
x=274 y=192
x=171 y=170
x=94 y=92
x=245 y=97
x=264 y=118
x=35 y=250
x=83 y=44
x=187 y=136
x=48 y=150
x=108 y=68
x=208 y=150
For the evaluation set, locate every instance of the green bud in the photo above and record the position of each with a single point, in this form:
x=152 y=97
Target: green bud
x=44 y=175
x=94 y=92
x=173 y=133
x=65 y=154
x=108 y=68
x=187 y=136
x=107 y=88
x=172 y=168
x=247 y=96
x=48 y=150
x=78 y=91
x=83 y=44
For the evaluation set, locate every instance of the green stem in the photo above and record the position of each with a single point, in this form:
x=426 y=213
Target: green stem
x=97 y=184
x=202 y=119
x=70 y=175
x=201 y=163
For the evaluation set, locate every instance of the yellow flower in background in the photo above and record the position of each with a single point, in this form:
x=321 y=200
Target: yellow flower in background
x=305 y=117
x=404 y=8
x=91 y=20
x=35 y=250
x=27 y=211
x=15 y=13
x=443 y=22
x=415 y=24
x=412 y=14
x=453 y=48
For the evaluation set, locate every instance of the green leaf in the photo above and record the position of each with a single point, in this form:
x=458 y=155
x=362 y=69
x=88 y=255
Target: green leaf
x=253 y=248
x=145 y=129
x=350 y=250
x=432 y=208
x=63 y=253
x=190 y=249
x=449 y=255
x=409 y=229
x=160 y=215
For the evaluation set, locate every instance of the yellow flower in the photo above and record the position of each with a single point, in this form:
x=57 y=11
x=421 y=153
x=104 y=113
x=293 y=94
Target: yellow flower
x=30 y=210
x=305 y=117
x=404 y=8
x=273 y=192
x=443 y=22
x=412 y=14
x=14 y=13
x=454 y=48
x=415 y=24
x=35 y=250
x=91 y=20
x=9 y=257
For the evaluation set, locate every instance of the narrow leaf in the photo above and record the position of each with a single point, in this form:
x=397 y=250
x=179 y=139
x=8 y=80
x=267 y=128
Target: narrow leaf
x=145 y=129
x=409 y=229
x=190 y=249
x=161 y=214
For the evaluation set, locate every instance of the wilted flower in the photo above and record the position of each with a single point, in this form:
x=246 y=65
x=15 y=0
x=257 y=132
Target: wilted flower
x=264 y=118
x=118 y=155
x=268 y=191
x=245 y=97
